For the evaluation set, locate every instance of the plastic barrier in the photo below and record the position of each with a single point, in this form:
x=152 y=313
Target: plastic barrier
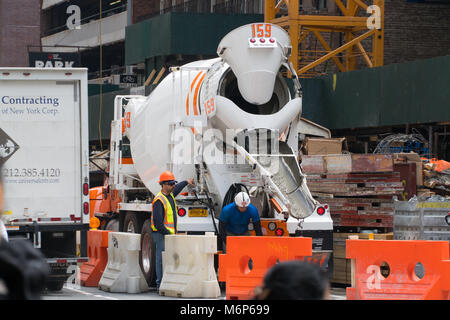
x=123 y=273
x=247 y=260
x=399 y=269
x=188 y=264
x=421 y=220
x=91 y=271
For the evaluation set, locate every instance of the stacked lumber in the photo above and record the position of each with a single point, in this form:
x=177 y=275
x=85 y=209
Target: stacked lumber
x=357 y=187
x=362 y=212
x=356 y=184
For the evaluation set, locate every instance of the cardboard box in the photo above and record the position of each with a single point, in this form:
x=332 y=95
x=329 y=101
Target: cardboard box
x=314 y=146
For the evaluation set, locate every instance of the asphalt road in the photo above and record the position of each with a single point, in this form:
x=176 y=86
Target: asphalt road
x=75 y=292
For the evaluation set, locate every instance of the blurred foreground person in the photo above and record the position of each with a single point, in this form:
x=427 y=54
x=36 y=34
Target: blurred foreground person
x=23 y=269
x=294 y=280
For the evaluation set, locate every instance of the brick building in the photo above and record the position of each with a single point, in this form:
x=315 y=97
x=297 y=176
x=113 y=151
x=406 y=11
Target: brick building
x=412 y=31
x=19 y=28
x=415 y=31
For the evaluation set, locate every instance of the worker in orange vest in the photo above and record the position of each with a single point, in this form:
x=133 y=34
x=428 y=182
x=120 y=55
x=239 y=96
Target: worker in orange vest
x=164 y=215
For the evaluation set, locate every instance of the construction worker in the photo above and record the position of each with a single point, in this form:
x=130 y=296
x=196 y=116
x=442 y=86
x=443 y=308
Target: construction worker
x=164 y=215
x=235 y=218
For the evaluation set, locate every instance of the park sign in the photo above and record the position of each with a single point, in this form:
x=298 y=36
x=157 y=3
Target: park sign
x=54 y=59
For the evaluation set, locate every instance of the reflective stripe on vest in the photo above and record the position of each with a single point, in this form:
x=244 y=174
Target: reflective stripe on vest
x=168 y=212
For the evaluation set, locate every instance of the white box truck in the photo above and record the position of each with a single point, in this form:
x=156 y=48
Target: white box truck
x=44 y=152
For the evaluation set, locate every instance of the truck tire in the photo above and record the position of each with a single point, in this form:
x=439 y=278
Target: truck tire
x=112 y=225
x=147 y=254
x=131 y=223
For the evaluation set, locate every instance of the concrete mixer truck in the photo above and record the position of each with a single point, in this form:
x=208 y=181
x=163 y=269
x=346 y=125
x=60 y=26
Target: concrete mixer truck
x=231 y=124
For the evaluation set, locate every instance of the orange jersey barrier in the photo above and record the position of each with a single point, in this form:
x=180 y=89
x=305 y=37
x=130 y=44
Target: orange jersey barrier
x=91 y=271
x=399 y=269
x=247 y=260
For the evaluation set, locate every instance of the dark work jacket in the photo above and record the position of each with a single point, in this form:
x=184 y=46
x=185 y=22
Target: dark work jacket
x=159 y=213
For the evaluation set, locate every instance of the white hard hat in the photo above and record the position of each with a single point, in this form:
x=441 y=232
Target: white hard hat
x=242 y=199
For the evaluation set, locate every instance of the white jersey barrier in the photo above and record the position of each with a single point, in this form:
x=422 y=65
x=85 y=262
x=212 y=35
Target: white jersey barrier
x=188 y=266
x=122 y=272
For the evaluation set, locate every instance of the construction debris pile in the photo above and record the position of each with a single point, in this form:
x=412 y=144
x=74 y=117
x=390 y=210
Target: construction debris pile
x=360 y=190
x=437 y=176
x=413 y=148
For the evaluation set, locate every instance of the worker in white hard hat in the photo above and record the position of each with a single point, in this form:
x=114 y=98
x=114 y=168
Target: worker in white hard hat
x=236 y=216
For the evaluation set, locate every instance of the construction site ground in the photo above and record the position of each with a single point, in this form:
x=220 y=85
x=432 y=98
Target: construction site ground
x=75 y=292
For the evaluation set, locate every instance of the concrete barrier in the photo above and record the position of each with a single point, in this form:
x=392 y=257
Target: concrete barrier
x=123 y=273
x=188 y=266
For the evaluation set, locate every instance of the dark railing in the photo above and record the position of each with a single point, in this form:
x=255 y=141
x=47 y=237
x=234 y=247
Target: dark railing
x=107 y=72
x=204 y=6
x=198 y=6
x=239 y=7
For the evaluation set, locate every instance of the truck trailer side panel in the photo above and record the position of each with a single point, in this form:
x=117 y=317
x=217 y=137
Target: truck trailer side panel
x=44 y=151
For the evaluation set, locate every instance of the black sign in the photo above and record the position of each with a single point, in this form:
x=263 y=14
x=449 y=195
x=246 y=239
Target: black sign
x=54 y=60
x=7 y=147
x=127 y=78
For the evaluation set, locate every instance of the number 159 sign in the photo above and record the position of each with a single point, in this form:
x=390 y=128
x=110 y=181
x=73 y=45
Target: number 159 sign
x=261 y=36
x=261 y=30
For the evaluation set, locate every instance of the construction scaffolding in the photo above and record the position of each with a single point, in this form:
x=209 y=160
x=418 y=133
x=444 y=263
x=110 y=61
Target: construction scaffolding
x=357 y=21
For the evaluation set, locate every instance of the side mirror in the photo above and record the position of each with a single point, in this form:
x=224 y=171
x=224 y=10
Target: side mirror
x=447 y=219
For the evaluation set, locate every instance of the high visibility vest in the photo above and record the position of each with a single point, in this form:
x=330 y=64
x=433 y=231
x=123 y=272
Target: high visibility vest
x=168 y=212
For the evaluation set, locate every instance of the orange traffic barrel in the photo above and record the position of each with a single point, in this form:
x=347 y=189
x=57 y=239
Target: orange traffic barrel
x=91 y=271
x=247 y=260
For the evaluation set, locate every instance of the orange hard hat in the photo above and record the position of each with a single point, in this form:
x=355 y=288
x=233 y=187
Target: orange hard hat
x=166 y=176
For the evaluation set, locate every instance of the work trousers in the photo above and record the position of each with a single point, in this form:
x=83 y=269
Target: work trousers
x=158 y=239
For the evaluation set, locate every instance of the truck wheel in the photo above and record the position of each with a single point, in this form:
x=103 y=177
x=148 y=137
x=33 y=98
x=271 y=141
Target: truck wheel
x=147 y=254
x=130 y=223
x=112 y=225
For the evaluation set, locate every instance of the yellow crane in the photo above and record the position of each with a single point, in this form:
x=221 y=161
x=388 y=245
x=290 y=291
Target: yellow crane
x=354 y=25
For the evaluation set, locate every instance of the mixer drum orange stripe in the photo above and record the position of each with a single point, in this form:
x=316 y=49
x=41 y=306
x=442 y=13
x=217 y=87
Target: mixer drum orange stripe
x=196 y=94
